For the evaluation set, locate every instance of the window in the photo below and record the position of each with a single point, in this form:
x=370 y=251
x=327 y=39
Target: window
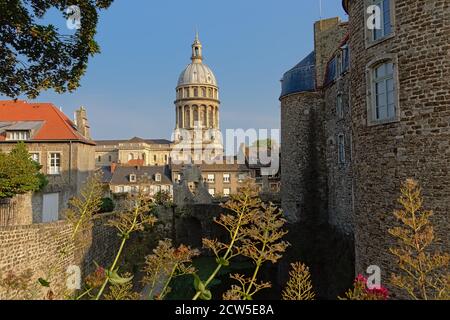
x=19 y=135
x=383 y=92
x=226 y=178
x=178 y=177
x=210 y=93
x=345 y=58
x=226 y=192
x=339 y=107
x=203 y=92
x=212 y=191
x=130 y=156
x=242 y=177
x=55 y=163
x=195 y=92
x=99 y=159
x=385 y=19
x=338 y=64
x=210 y=178
x=341 y=149
x=119 y=189
x=158 y=177
x=154 y=158
x=331 y=71
x=35 y=157
x=186 y=92
x=109 y=158
x=132 y=177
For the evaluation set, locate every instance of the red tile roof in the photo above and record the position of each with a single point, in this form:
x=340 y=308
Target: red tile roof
x=56 y=125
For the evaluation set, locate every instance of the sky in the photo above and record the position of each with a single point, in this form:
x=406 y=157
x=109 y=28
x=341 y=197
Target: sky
x=129 y=88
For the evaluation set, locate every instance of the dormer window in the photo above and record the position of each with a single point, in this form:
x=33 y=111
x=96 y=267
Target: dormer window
x=132 y=177
x=158 y=177
x=19 y=135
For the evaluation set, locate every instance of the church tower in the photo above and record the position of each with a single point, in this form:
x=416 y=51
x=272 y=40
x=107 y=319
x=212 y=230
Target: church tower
x=197 y=136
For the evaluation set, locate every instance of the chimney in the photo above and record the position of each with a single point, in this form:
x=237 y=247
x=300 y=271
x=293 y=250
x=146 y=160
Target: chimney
x=82 y=123
x=113 y=167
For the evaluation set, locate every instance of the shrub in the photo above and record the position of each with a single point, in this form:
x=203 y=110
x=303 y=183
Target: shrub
x=19 y=174
x=107 y=205
x=424 y=274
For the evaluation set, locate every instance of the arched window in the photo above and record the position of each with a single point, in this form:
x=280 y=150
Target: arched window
x=180 y=117
x=195 y=112
x=203 y=92
x=195 y=92
x=186 y=92
x=210 y=93
x=187 y=117
x=211 y=116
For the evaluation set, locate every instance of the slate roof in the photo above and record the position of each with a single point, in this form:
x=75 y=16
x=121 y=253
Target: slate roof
x=122 y=173
x=300 y=78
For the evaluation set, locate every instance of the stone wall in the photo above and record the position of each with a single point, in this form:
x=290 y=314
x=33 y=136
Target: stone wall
x=417 y=145
x=38 y=247
x=16 y=211
x=339 y=175
x=301 y=137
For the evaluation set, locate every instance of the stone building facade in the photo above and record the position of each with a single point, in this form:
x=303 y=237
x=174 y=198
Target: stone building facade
x=367 y=109
x=219 y=179
x=56 y=143
x=135 y=151
x=146 y=179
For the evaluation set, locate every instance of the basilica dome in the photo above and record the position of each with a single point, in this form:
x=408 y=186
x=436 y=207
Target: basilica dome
x=197 y=73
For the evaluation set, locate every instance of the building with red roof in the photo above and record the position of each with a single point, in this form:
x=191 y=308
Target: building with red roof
x=63 y=147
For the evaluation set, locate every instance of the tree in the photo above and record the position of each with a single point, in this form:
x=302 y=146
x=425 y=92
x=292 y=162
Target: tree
x=36 y=57
x=19 y=173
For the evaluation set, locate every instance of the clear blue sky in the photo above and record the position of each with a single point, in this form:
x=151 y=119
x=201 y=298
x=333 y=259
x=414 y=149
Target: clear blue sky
x=129 y=88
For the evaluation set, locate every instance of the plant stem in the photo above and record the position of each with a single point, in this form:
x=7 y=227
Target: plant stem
x=122 y=244
x=255 y=273
x=162 y=294
x=227 y=253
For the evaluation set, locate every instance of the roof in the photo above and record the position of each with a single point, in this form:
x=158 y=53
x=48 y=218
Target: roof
x=46 y=119
x=197 y=73
x=122 y=173
x=300 y=78
x=133 y=140
x=221 y=167
x=345 y=4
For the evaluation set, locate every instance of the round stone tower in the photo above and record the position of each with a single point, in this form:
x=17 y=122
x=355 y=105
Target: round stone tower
x=197 y=130
x=400 y=105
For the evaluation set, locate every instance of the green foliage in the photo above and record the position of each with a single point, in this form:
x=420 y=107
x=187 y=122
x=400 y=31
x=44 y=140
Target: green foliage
x=264 y=143
x=36 y=57
x=107 y=205
x=19 y=173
